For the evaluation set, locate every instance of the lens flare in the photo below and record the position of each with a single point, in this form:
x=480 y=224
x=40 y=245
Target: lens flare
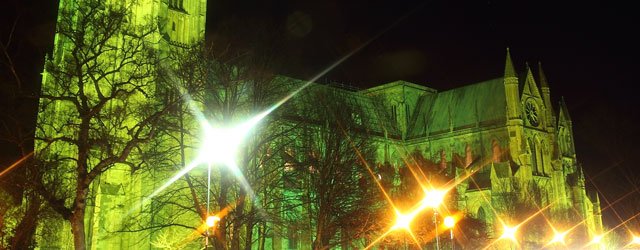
x=597 y=239
x=221 y=144
x=15 y=164
x=212 y=220
x=403 y=221
x=635 y=240
x=449 y=222
x=558 y=237
x=432 y=199
x=509 y=233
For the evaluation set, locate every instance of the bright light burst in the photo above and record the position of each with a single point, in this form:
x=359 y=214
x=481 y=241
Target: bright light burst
x=403 y=221
x=509 y=233
x=449 y=222
x=432 y=199
x=212 y=220
x=221 y=144
x=635 y=240
x=558 y=237
x=597 y=239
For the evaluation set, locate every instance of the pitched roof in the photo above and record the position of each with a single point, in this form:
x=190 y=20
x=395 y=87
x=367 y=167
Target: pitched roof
x=366 y=111
x=563 y=112
x=481 y=103
x=530 y=88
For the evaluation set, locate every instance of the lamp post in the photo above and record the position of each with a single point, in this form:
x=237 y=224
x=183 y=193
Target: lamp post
x=597 y=241
x=433 y=199
x=435 y=223
x=450 y=222
x=509 y=233
x=635 y=240
x=210 y=222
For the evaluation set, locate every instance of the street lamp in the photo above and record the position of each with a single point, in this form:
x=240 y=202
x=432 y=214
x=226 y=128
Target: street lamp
x=509 y=233
x=635 y=240
x=559 y=237
x=597 y=241
x=433 y=199
x=450 y=222
x=211 y=221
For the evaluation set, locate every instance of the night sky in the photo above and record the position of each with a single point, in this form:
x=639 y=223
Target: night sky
x=589 y=52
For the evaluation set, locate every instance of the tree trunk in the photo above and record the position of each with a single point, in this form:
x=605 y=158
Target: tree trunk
x=77 y=218
x=77 y=228
x=322 y=236
x=249 y=227
x=321 y=241
x=262 y=235
x=27 y=227
x=221 y=231
x=237 y=223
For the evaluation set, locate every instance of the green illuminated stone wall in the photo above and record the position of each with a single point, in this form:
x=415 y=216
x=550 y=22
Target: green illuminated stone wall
x=116 y=192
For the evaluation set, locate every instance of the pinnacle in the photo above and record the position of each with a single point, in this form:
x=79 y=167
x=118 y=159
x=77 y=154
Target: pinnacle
x=543 y=77
x=509 y=71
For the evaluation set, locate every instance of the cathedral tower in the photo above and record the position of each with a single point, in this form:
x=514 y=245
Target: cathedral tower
x=182 y=22
x=101 y=75
x=514 y=118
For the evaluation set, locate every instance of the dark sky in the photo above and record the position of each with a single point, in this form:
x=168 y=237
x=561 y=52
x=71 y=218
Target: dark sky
x=588 y=50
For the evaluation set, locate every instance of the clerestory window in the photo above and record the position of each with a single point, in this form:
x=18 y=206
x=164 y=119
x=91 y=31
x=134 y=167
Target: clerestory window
x=176 y=4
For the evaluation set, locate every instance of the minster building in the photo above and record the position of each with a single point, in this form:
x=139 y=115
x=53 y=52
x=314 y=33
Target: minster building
x=506 y=145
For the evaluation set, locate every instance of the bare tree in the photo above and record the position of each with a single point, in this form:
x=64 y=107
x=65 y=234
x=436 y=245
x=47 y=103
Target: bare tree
x=336 y=151
x=224 y=87
x=97 y=107
x=519 y=201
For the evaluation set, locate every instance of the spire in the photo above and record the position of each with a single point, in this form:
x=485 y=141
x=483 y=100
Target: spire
x=509 y=71
x=511 y=90
x=546 y=96
x=543 y=78
x=564 y=109
x=529 y=72
x=530 y=86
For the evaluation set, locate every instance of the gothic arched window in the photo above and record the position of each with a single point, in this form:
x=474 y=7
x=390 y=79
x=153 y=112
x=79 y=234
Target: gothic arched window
x=495 y=150
x=533 y=152
x=542 y=151
x=482 y=215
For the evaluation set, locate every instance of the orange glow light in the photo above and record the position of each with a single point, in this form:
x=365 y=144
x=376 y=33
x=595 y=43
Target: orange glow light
x=433 y=198
x=449 y=222
x=559 y=237
x=509 y=232
x=635 y=240
x=403 y=221
x=212 y=220
x=597 y=239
